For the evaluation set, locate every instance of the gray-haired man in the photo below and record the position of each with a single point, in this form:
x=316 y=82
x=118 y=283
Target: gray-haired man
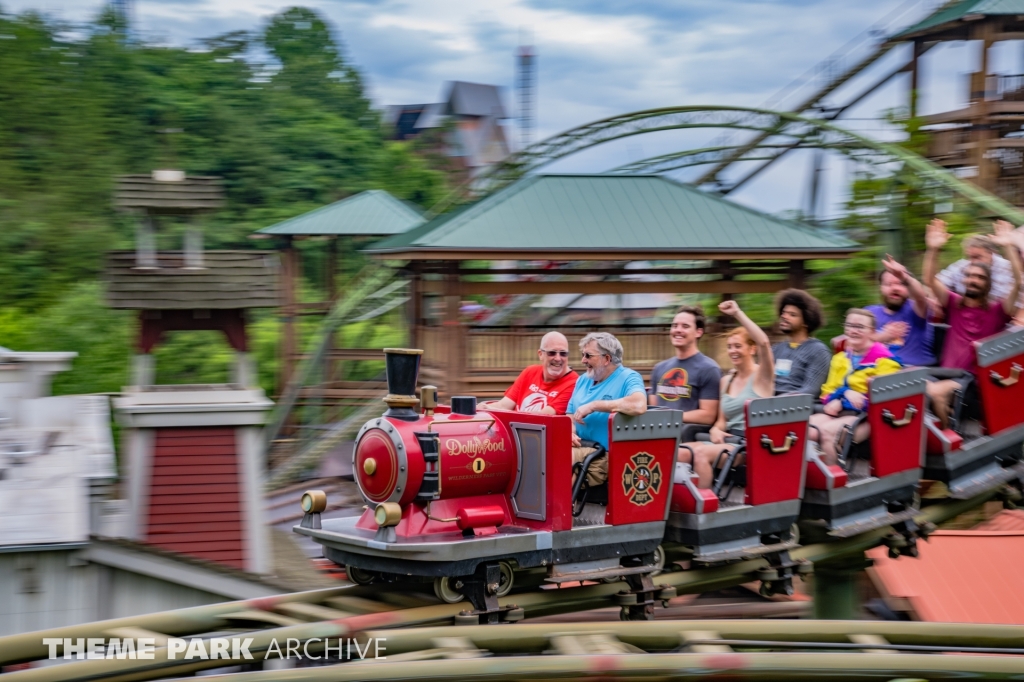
x=606 y=387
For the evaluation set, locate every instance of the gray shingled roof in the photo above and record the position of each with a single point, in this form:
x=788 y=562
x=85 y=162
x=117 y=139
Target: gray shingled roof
x=638 y=214
x=474 y=99
x=228 y=280
x=374 y=212
x=191 y=195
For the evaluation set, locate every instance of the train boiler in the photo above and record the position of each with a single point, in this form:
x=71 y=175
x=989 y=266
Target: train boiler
x=982 y=447
x=467 y=498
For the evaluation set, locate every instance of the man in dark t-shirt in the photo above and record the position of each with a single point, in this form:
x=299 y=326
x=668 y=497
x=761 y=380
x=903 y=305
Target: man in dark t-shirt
x=690 y=381
x=801 y=361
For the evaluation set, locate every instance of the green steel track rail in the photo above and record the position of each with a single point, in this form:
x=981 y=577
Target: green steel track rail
x=373 y=292
x=782 y=131
x=348 y=611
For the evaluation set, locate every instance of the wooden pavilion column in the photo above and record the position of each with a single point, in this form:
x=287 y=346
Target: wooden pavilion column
x=331 y=288
x=414 y=306
x=987 y=168
x=290 y=273
x=797 y=274
x=915 y=77
x=727 y=276
x=454 y=333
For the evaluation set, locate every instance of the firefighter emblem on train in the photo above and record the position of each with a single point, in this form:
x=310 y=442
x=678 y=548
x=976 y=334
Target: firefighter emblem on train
x=640 y=480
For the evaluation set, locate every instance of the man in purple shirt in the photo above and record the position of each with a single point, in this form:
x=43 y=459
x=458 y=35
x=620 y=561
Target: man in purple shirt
x=971 y=317
x=902 y=319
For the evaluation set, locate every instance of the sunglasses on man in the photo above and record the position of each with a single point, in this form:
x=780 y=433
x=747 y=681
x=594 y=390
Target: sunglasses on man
x=553 y=353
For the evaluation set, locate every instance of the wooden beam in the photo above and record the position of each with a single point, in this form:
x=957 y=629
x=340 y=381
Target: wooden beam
x=614 y=254
x=541 y=288
x=765 y=268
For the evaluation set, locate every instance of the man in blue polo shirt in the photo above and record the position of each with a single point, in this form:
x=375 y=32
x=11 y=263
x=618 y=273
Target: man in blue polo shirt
x=902 y=319
x=606 y=387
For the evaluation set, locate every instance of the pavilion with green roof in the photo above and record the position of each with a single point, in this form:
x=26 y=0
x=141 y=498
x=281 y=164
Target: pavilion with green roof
x=367 y=215
x=585 y=230
x=372 y=213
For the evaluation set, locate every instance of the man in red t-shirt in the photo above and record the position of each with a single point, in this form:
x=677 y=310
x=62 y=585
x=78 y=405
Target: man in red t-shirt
x=971 y=317
x=544 y=388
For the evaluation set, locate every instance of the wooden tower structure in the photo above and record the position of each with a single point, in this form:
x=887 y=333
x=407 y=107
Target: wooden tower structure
x=984 y=141
x=195 y=457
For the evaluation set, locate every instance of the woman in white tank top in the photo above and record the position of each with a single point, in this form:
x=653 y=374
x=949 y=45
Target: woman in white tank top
x=747 y=381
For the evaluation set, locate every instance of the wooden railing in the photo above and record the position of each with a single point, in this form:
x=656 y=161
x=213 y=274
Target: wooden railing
x=493 y=358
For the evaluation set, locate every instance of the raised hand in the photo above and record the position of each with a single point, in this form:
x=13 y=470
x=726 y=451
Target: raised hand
x=936 y=236
x=729 y=307
x=896 y=268
x=894 y=331
x=1002 y=233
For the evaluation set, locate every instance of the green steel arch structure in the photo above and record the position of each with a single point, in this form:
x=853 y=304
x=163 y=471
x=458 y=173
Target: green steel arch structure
x=777 y=132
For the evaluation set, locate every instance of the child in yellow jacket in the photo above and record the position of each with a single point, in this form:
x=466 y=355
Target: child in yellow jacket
x=847 y=385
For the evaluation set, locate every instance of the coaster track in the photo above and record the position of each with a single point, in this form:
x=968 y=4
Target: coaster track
x=351 y=611
x=776 y=132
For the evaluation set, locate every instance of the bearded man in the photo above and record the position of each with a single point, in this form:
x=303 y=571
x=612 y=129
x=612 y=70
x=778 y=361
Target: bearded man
x=902 y=318
x=971 y=317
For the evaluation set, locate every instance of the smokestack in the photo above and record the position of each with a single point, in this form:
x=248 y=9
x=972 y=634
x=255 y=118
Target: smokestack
x=403 y=369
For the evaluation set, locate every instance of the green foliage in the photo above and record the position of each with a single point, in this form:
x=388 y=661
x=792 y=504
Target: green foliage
x=288 y=134
x=82 y=323
x=75 y=113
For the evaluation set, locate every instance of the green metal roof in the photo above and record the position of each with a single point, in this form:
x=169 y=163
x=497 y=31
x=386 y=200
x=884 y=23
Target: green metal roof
x=374 y=212
x=623 y=214
x=957 y=11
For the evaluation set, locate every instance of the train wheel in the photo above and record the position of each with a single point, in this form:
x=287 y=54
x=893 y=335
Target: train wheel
x=507 y=578
x=659 y=560
x=446 y=592
x=359 y=576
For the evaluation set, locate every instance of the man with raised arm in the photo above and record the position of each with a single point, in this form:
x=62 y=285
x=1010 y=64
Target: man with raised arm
x=801 y=361
x=690 y=380
x=606 y=387
x=979 y=248
x=544 y=388
x=972 y=316
x=902 y=318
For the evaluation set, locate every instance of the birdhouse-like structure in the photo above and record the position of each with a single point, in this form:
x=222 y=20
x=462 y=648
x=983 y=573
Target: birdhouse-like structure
x=194 y=454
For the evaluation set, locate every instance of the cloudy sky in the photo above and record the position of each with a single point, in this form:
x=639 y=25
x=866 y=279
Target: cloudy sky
x=596 y=58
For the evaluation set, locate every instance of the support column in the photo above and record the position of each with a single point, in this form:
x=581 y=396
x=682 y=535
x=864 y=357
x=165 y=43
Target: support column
x=289 y=284
x=193 y=246
x=988 y=169
x=837 y=588
x=915 y=69
x=414 y=306
x=143 y=370
x=243 y=371
x=728 y=274
x=797 y=274
x=145 y=242
x=454 y=335
x=331 y=287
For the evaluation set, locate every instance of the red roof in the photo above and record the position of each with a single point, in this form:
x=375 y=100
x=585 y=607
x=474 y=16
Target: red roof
x=961 y=576
x=1007 y=519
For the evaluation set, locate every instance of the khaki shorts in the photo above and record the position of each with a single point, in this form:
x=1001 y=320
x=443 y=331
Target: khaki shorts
x=598 y=472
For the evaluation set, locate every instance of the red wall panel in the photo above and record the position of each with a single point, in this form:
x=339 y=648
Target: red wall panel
x=195 y=494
